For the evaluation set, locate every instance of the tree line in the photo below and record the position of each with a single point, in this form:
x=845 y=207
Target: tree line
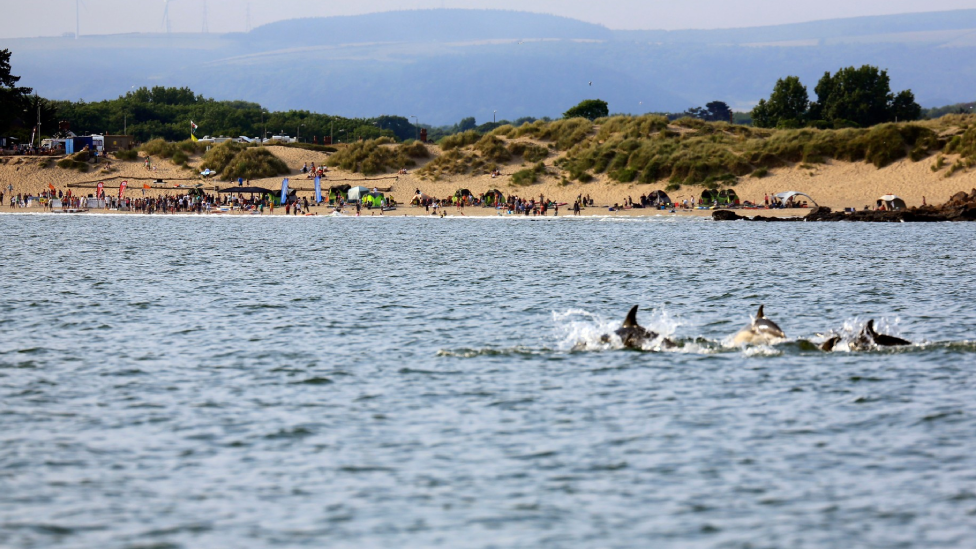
x=852 y=97
x=849 y=98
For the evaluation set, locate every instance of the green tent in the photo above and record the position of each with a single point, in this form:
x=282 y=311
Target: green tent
x=494 y=197
x=727 y=197
x=373 y=200
x=708 y=197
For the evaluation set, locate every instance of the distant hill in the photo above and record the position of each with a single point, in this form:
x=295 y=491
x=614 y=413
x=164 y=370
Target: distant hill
x=903 y=28
x=443 y=65
x=420 y=26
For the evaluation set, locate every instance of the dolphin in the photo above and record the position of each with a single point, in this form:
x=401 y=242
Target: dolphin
x=635 y=336
x=828 y=345
x=870 y=338
x=762 y=331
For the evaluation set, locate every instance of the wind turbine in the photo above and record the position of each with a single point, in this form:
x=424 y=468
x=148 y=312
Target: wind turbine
x=206 y=27
x=78 y=4
x=166 y=22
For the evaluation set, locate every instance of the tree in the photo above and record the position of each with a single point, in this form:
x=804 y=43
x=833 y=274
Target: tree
x=905 y=108
x=862 y=96
x=761 y=115
x=13 y=98
x=789 y=101
x=718 y=111
x=787 y=106
x=590 y=108
x=466 y=124
x=399 y=125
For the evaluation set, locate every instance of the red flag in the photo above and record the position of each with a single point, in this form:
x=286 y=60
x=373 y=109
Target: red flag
x=99 y=193
x=122 y=188
x=51 y=186
x=146 y=186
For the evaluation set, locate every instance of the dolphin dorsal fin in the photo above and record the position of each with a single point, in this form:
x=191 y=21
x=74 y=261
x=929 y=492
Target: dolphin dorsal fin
x=631 y=320
x=760 y=315
x=869 y=328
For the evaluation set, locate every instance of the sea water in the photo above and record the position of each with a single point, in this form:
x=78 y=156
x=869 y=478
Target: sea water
x=194 y=381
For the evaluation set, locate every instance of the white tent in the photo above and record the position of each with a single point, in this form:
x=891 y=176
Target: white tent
x=357 y=193
x=892 y=202
x=783 y=197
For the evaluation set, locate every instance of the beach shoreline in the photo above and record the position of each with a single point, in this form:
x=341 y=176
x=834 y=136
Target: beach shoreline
x=837 y=185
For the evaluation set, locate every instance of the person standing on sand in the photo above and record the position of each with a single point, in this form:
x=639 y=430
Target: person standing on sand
x=359 y=208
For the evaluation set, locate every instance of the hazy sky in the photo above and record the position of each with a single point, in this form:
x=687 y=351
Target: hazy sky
x=22 y=18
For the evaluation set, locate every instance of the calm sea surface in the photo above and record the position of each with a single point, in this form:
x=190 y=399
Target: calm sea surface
x=170 y=382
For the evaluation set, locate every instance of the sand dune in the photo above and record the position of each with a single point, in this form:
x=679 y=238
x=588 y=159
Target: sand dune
x=834 y=184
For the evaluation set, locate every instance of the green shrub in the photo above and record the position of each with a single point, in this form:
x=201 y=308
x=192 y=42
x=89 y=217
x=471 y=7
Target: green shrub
x=160 y=147
x=956 y=166
x=180 y=158
x=309 y=147
x=458 y=140
x=492 y=148
x=504 y=131
x=452 y=162
x=528 y=176
x=624 y=175
x=759 y=173
x=126 y=155
x=70 y=164
x=190 y=146
x=414 y=149
x=529 y=151
x=220 y=156
x=254 y=163
x=377 y=156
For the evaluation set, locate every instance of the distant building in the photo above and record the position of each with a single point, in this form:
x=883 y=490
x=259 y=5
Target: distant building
x=119 y=143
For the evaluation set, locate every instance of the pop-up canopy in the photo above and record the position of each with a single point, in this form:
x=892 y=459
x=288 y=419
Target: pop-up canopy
x=892 y=202
x=785 y=196
x=247 y=190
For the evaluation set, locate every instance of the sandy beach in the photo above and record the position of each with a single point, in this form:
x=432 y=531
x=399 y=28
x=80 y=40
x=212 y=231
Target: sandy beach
x=835 y=184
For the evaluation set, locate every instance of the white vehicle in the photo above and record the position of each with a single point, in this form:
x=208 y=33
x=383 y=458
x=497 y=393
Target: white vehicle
x=283 y=139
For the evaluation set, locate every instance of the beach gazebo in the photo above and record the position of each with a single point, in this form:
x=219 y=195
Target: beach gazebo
x=247 y=190
x=892 y=203
x=419 y=198
x=784 y=197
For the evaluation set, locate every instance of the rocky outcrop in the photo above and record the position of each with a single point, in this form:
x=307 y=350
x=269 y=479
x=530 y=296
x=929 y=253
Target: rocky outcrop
x=961 y=207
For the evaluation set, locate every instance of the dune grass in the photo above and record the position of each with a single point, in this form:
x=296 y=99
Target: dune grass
x=458 y=140
x=377 y=156
x=648 y=149
x=528 y=176
x=254 y=163
x=219 y=157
